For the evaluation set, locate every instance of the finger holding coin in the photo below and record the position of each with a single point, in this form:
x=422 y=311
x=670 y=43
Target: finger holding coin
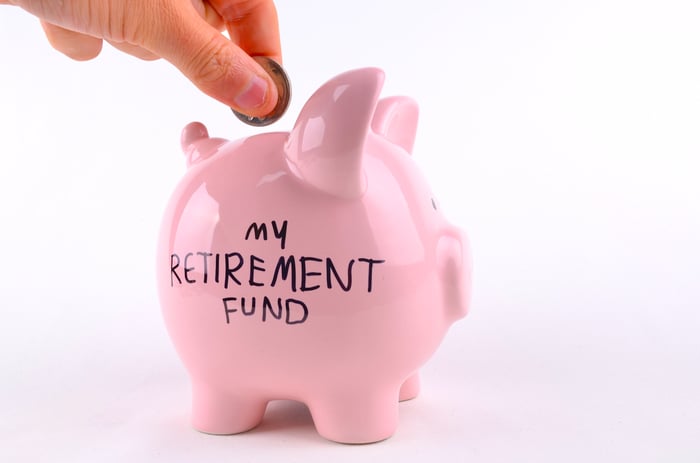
x=279 y=77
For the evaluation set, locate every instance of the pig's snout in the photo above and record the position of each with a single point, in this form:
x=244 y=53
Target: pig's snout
x=454 y=268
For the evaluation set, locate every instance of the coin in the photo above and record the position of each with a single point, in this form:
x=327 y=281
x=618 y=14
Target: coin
x=279 y=77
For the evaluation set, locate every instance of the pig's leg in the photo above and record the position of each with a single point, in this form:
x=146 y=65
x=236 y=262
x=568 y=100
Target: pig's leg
x=357 y=416
x=410 y=388
x=222 y=412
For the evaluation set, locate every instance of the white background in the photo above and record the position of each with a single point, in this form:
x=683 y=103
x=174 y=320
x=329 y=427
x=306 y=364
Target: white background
x=562 y=135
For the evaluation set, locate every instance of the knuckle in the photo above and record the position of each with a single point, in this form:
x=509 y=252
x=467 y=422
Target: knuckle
x=213 y=62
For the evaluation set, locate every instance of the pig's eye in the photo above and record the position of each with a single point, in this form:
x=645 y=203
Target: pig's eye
x=432 y=200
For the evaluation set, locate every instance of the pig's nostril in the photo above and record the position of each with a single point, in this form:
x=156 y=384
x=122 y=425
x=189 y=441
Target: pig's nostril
x=432 y=200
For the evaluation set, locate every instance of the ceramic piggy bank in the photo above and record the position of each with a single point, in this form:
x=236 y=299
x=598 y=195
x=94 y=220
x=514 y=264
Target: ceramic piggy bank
x=311 y=265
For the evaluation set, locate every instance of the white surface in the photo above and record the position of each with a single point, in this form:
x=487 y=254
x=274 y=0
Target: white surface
x=562 y=135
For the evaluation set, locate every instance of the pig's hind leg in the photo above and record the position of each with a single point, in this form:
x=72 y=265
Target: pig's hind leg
x=359 y=416
x=224 y=412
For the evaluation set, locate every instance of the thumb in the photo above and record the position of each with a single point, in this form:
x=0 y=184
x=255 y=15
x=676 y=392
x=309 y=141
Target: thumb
x=213 y=63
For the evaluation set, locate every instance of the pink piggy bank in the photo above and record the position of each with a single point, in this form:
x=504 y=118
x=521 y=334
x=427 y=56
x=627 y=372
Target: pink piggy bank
x=310 y=265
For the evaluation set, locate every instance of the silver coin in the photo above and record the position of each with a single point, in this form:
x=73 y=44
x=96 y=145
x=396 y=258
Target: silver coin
x=284 y=93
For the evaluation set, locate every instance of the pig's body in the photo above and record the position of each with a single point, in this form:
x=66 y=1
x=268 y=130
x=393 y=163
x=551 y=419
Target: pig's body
x=289 y=271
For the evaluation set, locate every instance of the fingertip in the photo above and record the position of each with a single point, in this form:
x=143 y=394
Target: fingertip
x=258 y=97
x=75 y=45
x=86 y=51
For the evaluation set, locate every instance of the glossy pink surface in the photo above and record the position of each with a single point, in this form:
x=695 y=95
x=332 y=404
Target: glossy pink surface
x=312 y=265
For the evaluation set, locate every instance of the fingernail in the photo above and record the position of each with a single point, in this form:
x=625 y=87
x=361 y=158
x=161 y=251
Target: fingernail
x=254 y=95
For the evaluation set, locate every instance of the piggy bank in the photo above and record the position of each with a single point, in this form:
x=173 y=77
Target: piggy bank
x=312 y=265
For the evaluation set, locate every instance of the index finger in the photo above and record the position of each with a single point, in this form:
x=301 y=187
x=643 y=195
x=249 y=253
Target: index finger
x=252 y=25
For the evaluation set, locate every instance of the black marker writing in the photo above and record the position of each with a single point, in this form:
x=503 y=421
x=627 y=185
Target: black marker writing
x=303 y=273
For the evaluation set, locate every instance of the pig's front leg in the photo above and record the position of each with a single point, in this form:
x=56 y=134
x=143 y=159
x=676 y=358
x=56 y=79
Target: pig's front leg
x=217 y=411
x=358 y=416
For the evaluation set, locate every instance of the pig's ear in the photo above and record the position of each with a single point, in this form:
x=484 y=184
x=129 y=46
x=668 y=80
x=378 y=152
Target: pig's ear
x=325 y=146
x=454 y=270
x=396 y=119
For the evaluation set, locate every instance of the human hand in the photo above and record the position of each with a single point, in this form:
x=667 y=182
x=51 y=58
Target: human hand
x=185 y=32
